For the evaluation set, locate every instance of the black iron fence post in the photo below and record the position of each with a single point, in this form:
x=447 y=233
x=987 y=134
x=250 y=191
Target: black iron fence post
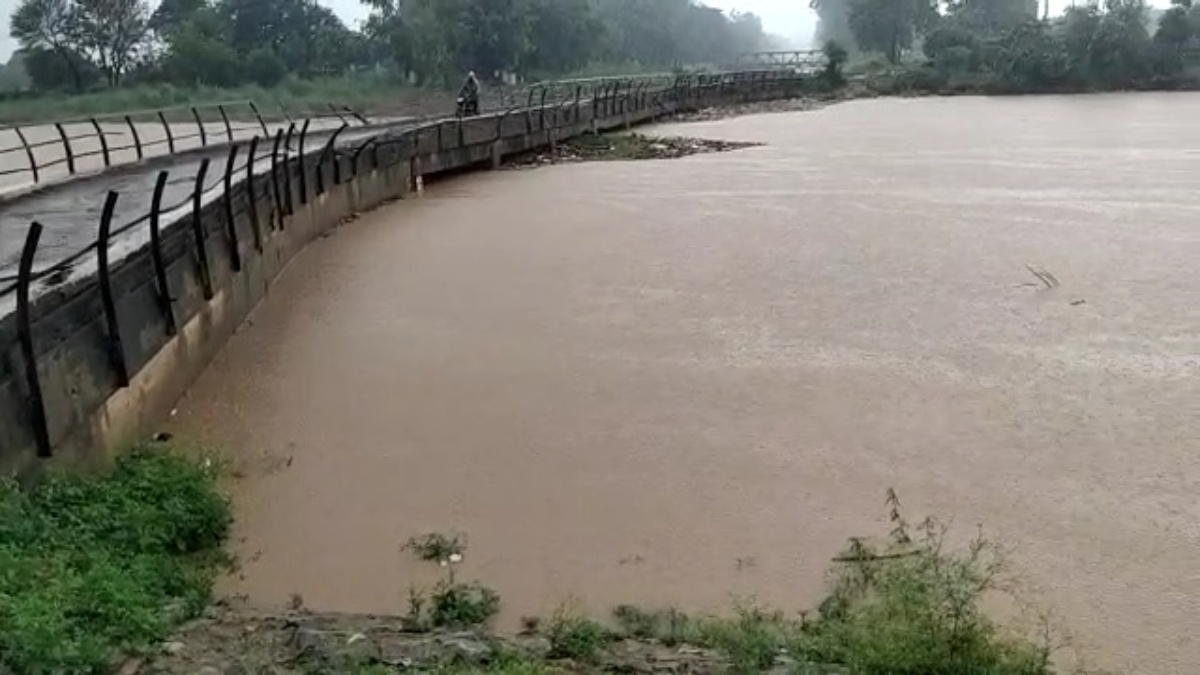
x=103 y=143
x=300 y=161
x=137 y=139
x=235 y=253
x=156 y=254
x=261 y=122
x=116 y=348
x=225 y=119
x=167 y=130
x=336 y=112
x=66 y=141
x=251 y=198
x=33 y=384
x=200 y=126
x=289 y=202
x=198 y=231
x=277 y=193
x=33 y=167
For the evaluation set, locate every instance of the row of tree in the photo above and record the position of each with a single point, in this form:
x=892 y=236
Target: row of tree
x=83 y=44
x=430 y=37
x=1014 y=45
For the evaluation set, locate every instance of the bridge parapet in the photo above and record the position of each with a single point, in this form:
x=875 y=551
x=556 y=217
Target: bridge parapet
x=95 y=353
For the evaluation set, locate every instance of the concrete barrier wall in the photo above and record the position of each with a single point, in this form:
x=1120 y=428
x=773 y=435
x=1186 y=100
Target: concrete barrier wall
x=165 y=343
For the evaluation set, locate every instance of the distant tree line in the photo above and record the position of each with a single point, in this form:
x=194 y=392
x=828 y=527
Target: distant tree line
x=1014 y=45
x=88 y=44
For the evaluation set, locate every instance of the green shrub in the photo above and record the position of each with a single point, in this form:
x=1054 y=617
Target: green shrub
x=911 y=606
x=95 y=565
x=573 y=636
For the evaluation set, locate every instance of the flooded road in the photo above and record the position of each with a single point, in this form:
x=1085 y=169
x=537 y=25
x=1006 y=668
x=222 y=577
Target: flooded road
x=689 y=381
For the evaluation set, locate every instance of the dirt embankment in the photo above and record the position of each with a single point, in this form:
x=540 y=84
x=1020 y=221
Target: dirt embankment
x=242 y=642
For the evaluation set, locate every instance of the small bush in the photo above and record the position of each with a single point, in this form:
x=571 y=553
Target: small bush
x=451 y=604
x=754 y=637
x=437 y=547
x=835 y=62
x=92 y=566
x=457 y=605
x=576 y=637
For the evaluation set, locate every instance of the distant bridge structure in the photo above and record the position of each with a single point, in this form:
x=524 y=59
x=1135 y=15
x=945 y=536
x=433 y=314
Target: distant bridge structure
x=802 y=61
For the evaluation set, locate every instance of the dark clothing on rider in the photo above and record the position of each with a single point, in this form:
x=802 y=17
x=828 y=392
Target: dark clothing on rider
x=470 y=89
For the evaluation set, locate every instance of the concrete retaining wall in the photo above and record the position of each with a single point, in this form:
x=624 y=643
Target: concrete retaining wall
x=89 y=410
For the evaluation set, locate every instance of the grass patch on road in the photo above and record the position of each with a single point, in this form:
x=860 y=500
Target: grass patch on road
x=97 y=566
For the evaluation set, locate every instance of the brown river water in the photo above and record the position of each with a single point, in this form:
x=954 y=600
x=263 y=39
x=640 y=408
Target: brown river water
x=687 y=382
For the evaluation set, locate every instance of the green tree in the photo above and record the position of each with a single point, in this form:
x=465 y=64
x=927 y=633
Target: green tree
x=495 y=35
x=563 y=35
x=200 y=57
x=991 y=17
x=113 y=33
x=13 y=75
x=833 y=21
x=835 y=60
x=264 y=68
x=952 y=48
x=173 y=14
x=1032 y=59
x=423 y=35
x=889 y=27
x=309 y=38
x=48 y=30
x=1121 y=48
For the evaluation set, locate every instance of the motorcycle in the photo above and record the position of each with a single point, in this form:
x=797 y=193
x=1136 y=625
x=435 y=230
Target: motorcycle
x=467 y=108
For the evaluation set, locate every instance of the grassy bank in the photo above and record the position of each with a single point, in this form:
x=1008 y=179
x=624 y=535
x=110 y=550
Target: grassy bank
x=362 y=93
x=94 y=567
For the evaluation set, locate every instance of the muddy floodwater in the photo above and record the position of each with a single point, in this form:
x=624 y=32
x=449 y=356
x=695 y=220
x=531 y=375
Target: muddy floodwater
x=685 y=382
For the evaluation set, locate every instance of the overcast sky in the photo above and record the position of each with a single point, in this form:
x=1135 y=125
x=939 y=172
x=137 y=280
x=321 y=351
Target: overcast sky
x=788 y=18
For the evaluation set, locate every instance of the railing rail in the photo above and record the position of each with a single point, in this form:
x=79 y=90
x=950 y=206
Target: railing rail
x=32 y=154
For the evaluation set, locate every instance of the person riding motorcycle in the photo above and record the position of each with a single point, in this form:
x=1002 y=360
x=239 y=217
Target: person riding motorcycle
x=468 y=96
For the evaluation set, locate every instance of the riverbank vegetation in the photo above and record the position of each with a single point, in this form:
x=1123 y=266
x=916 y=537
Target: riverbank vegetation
x=908 y=604
x=1015 y=46
x=94 y=567
x=189 y=49
x=99 y=570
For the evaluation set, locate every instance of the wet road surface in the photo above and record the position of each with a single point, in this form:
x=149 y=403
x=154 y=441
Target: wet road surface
x=70 y=212
x=623 y=381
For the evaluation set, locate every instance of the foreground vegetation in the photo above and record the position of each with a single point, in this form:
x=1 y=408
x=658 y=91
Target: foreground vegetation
x=96 y=566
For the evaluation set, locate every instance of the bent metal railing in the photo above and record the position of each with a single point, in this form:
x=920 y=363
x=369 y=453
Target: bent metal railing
x=32 y=154
x=801 y=60
x=269 y=158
